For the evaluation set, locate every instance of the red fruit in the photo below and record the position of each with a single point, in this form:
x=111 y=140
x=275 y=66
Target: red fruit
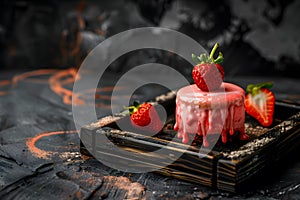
x=145 y=117
x=208 y=74
x=259 y=103
x=221 y=70
x=207 y=77
x=141 y=116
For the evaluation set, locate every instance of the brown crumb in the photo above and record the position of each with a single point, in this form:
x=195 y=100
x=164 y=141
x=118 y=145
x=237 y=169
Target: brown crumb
x=169 y=126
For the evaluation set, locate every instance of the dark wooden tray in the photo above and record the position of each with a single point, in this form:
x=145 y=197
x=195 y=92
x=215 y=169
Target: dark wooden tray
x=227 y=167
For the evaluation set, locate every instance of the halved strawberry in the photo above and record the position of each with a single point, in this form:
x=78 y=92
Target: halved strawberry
x=259 y=102
x=145 y=117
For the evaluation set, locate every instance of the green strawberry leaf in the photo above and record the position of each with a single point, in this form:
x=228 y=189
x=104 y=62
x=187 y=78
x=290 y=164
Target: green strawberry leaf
x=196 y=59
x=254 y=88
x=204 y=58
x=250 y=88
x=136 y=104
x=219 y=59
x=132 y=109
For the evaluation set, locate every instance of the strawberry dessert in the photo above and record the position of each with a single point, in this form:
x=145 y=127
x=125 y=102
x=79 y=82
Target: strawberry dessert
x=210 y=106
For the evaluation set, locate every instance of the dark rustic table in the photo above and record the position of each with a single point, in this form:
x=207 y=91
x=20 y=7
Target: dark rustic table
x=40 y=154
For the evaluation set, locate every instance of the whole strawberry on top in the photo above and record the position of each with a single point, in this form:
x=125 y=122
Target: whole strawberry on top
x=208 y=74
x=259 y=102
x=144 y=116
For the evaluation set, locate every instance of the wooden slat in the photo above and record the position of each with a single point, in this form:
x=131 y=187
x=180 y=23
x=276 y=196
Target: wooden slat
x=232 y=174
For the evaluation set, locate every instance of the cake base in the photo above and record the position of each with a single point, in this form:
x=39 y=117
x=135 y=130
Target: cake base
x=205 y=113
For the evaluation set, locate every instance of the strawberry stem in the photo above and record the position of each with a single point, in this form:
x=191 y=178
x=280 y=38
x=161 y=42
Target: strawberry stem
x=204 y=58
x=211 y=55
x=219 y=59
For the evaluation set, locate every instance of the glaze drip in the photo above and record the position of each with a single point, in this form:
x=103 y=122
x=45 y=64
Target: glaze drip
x=203 y=113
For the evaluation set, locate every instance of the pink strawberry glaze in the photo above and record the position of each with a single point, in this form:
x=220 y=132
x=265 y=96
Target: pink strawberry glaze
x=206 y=113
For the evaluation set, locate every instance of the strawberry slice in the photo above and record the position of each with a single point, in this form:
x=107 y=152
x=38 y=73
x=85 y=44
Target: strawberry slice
x=259 y=102
x=145 y=117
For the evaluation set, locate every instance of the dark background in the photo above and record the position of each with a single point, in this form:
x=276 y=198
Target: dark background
x=260 y=37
